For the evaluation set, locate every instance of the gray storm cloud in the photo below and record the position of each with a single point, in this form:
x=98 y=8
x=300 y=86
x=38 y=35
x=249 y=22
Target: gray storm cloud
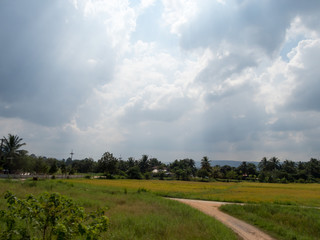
x=51 y=59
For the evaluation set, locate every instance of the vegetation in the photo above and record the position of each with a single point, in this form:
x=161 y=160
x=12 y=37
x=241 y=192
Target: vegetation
x=50 y=216
x=276 y=209
x=15 y=160
x=246 y=192
x=283 y=222
x=133 y=213
x=10 y=152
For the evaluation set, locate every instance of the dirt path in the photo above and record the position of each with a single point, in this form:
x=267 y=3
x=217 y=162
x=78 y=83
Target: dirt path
x=241 y=228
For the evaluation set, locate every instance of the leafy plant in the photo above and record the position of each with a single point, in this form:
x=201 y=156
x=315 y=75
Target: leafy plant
x=50 y=216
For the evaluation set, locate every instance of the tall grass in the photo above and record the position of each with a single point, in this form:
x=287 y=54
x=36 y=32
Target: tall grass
x=283 y=222
x=247 y=192
x=133 y=213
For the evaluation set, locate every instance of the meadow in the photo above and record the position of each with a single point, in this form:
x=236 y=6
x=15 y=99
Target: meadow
x=285 y=211
x=133 y=213
x=243 y=192
x=138 y=209
x=282 y=222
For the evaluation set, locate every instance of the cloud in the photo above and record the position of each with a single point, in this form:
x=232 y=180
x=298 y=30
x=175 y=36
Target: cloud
x=228 y=79
x=304 y=59
x=46 y=62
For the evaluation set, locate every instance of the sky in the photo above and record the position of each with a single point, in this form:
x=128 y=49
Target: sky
x=173 y=79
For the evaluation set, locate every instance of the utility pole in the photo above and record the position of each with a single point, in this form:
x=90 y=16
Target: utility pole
x=71 y=154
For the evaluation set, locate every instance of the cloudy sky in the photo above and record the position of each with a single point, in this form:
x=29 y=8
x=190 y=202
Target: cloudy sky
x=230 y=79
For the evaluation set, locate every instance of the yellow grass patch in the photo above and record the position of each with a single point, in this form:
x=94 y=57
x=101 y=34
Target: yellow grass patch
x=300 y=194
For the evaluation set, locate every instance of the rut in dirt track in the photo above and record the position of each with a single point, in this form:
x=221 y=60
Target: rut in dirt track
x=241 y=228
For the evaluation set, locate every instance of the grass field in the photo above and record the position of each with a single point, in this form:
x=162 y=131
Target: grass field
x=285 y=211
x=133 y=213
x=247 y=192
x=137 y=209
x=283 y=222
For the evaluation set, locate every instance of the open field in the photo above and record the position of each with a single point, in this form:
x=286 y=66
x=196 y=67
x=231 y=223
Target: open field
x=282 y=222
x=133 y=214
x=247 y=192
x=285 y=211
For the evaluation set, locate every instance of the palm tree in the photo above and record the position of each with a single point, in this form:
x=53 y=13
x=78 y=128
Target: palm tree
x=274 y=163
x=11 y=150
x=205 y=163
x=263 y=164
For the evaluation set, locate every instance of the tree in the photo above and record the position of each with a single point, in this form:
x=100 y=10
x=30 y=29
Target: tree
x=144 y=164
x=289 y=167
x=205 y=170
x=12 y=152
x=183 y=169
x=108 y=164
x=313 y=168
x=131 y=162
x=252 y=169
x=134 y=173
x=53 y=167
x=205 y=164
x=231 y=174
x=216 y=172
x=225 y=169
x=203 y=173
x=40 y=166
x=247 y=170
x=263 y=164
x=243 y=170
x=273 y=164
x=269 y=169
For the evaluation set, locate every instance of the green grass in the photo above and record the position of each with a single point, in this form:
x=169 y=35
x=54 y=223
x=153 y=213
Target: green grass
x=267 y=212
x=282 y=222
x=133 y=213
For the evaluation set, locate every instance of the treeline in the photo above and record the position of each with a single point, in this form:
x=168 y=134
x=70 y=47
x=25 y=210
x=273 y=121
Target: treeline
x=14 y=160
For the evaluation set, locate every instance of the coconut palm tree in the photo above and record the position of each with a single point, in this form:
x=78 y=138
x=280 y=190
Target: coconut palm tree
x=11 y=150
x=263 y=164
x=205 y=163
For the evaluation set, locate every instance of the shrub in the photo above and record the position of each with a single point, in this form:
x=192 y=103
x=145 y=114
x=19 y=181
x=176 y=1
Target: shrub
x=50 y=216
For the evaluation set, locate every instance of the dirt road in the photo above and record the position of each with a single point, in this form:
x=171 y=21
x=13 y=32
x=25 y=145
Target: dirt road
x=241 y=228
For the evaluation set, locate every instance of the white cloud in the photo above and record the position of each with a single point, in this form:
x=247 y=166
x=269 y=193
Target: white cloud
x=221 y=78
x=303 y=66
x=178 y=12
x=119 y=19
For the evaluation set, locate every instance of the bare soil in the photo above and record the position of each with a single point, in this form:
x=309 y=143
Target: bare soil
x=241 y=228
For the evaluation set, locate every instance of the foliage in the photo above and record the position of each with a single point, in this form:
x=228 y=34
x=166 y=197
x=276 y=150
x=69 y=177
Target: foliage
x=269 y=170
x=50 y=216
x=108 y=164
x=133 y=215
x=273 y=171
x=134 y=173
x=11 y=154
x=183 y=169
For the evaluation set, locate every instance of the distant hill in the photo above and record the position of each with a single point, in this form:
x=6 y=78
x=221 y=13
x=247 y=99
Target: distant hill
x=231 y=163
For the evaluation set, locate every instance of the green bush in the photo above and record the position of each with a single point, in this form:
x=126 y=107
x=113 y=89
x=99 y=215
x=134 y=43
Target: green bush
x=50 y=216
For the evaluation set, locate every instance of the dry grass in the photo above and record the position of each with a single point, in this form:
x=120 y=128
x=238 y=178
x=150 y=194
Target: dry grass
x=290 y=194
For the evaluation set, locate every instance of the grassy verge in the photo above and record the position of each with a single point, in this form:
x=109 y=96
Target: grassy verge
x=133 y=213
x=283 y=222
x=247 y=192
